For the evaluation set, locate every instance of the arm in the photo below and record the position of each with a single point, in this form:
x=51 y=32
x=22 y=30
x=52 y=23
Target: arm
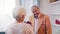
x=29 y=29
x=48 y=25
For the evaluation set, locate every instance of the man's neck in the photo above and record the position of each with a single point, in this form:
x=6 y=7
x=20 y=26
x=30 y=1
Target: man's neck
x=36 y=16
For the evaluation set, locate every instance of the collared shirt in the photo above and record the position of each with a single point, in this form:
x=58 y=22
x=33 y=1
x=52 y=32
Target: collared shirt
x=36 y=26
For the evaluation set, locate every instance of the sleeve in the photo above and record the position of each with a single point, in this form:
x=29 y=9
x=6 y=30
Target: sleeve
x=48 y=25
x=29 y=30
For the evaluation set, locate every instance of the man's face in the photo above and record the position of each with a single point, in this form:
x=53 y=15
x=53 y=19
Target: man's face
x=35 y=11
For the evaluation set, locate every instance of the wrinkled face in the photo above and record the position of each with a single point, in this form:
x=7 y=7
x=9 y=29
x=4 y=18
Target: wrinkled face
x=35 y=11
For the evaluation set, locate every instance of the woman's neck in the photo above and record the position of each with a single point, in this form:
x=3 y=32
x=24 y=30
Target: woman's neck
x=19 y=21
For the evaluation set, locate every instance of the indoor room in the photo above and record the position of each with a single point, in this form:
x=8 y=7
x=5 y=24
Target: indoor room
x=47 y=7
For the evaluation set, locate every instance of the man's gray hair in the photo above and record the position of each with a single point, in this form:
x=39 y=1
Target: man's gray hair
x=36 y=6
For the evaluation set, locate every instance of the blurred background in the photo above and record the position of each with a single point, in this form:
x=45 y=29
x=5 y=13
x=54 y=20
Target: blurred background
x=49 y=7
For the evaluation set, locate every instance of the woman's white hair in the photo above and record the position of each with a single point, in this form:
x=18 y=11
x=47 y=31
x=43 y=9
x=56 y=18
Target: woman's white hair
x=18 y=10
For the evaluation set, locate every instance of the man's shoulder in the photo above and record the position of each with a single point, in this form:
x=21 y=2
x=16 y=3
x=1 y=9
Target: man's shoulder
x=32 y=16
x=41 y=14
x=45 y=15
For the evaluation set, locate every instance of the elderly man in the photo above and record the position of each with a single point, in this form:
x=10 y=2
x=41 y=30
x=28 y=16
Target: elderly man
x=19 y=27
x=40 y=22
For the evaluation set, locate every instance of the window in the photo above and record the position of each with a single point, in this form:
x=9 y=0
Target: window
x=6 y=17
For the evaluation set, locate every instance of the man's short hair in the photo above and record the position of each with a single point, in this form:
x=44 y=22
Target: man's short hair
x=36 y=6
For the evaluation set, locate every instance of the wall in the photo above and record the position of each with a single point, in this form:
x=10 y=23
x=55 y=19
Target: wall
x=6 y=17
x=51 y=10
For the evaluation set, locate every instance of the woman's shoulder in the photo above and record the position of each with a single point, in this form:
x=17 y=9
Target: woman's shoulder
x=11 y=25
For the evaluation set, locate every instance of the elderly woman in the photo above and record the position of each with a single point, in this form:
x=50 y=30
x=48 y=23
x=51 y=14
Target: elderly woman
x=19 y=27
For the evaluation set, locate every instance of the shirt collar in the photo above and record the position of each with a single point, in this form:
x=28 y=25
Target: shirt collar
x=37 y=16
